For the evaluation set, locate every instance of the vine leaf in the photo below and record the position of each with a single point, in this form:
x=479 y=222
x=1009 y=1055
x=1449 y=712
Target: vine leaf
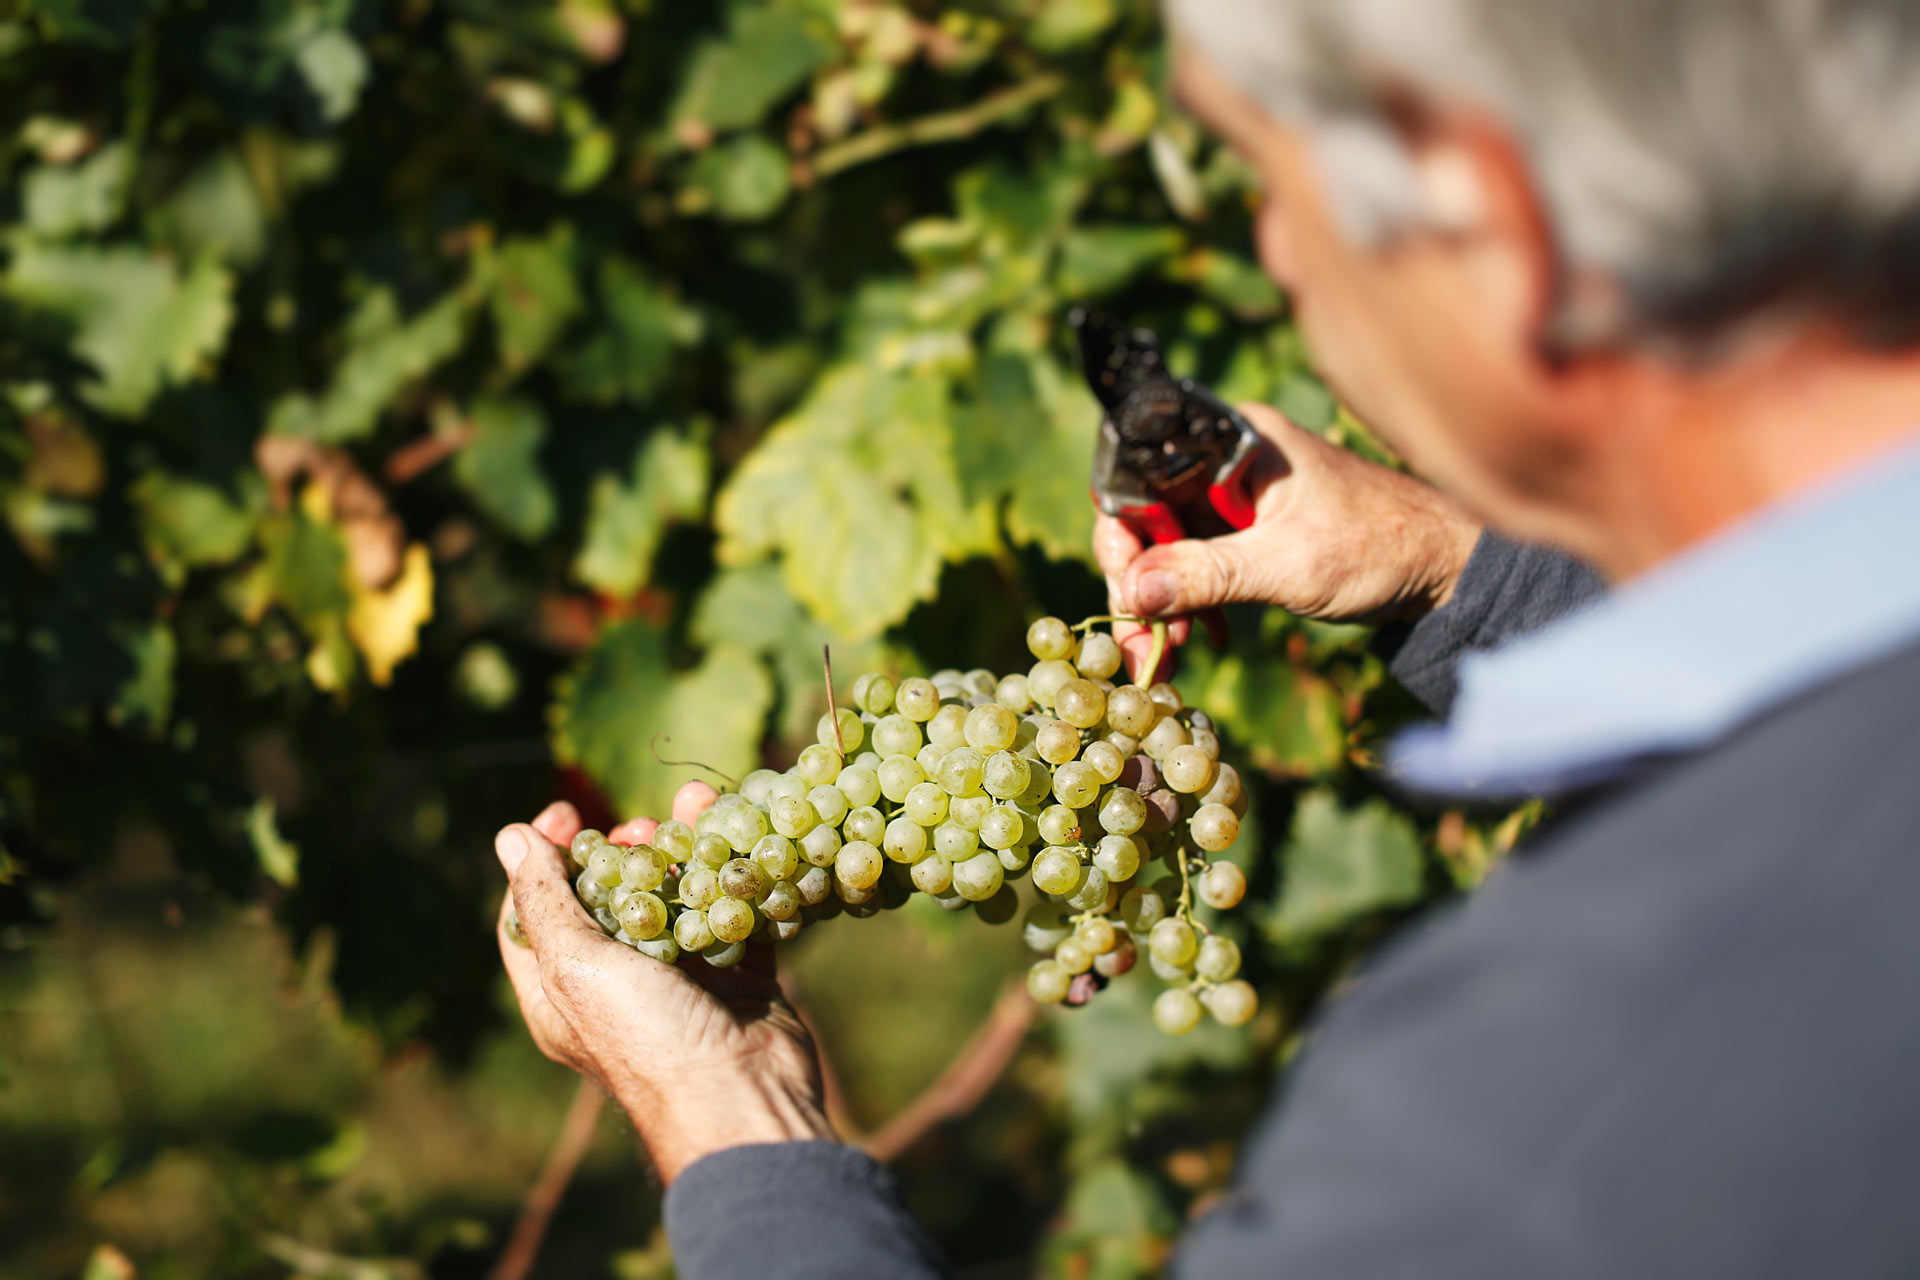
x=1341 y=864
x=385 y=624
x=626 y=518
x=500 y=467
x=767 y=55
x=1025 y=442
x=385 y=352
x=534 y=296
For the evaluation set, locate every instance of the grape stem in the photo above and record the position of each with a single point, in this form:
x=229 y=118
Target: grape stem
x=1087 y=623
x=1154 y=655
x=833 y=715
x=654 y=746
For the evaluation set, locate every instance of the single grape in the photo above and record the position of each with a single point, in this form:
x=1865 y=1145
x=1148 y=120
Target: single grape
x=699 y=888
x=1225 y=789
x=1188 y=769
x=1131 y=710
x=933 y=874
x=818 y=764
x=929 y=759
x=926 y=804
x=1125 y=743
x=1142 y=774
x=1104 y=759
x=691 y=931
x=793 y=816
x=820 y=846
x=1141 y=908
x=643 y=916
x=1013 y=694
x=1059 y=825
x=643 y=868
x=1039 y=786
x=583 y=846
x=1080 y=703
x=674 y=839
x=1057 y=871
x=1232 y=1004
x=857 y=691
x=785 y=930
x=1045 y=680
x=1098 y=934
x=1218 y=958
x=744 y=825
x=1117 y=961
x=852 y=733
x=711 y=849
x=1163 y=738
x=607 y=921
x=830 y=803
x=1163 y=810
x=1050 y=638
x=1206 y=740
x=954 y=842
x=899 y=775
x=1005 y=776
x=515 y=934
x=1099 y=656
x=1044 y=926
x=979 y=682
x=742 y=878
x=782 y=901
x=1057 y=742
x=1214 y=827
x=1074 y=956
x=724 y=955
x=1123 y=812
x=860 y=784
x=979 y=877
x=1047 y=982
x=969 y=811
x=991 y=728
x=917 y=699
x=905 y=841
x=852 y=895
x=777 y=856
x=897 y=735
x=1222 y=885
x=662 y=948
x=815 y=886
x=603 y=864
x=877 y=697
x=1118 y=857
x=1075 y=785
x=1176 y=1012
x=961 y=772
x=1092 y=893
x=1015 y=859
x=1167 y=698
x=1003 y=827
x=786 y=784
x=1172 y=942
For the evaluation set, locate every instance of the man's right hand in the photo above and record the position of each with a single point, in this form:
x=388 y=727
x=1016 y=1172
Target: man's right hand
x=1334 y=537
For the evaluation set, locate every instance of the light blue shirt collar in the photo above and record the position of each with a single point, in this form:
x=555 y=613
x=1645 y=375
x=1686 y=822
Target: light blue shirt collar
x=1679 y=657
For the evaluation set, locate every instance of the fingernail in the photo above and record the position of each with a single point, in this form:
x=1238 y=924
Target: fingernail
x=511 y=846
x=1154 y=592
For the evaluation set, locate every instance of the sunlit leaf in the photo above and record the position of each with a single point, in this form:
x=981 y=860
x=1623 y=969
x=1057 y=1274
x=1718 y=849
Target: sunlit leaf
x=384 y=624
x=766 y=55
x=1287 y=719
x=533 y=297
x=189 y=521
x=1097 y=260
x=385 y=352
x=625 y=518
x=500 y=467
x=63 y=201
x=1026 y=440
x=1341 y=864
x=744 y=179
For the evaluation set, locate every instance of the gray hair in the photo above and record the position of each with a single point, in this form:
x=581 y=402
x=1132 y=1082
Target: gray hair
x=1716 y=160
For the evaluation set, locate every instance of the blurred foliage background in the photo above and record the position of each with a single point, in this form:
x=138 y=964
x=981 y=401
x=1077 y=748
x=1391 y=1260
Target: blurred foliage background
x=407 y=410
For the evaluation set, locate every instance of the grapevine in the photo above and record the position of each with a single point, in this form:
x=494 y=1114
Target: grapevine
x=1107 y=798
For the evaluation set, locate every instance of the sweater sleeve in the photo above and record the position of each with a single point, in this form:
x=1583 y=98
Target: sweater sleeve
x=1507 y=589
x=798 y=1210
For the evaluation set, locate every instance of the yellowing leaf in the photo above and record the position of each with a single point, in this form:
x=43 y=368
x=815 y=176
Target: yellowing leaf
x=1024 y=443
x=385 y=625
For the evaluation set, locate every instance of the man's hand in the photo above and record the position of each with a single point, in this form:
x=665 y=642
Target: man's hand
x=1334 y=537
x=701 y=1058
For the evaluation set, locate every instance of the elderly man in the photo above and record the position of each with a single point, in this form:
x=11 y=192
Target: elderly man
x=1625 y=277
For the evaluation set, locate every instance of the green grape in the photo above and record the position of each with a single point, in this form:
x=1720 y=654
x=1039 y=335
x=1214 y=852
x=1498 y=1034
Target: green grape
x=859 y=864
x=1118 y=858
x=991 y=728
x=1050 y=638
x=1044 y=926
x=691 y=931
x=1131 y=711
x=1047 y=982
x=711 y=849
x=1015 y=859
x=1057 y=742
x=1176 y=1012
x=743 y=826
x=1222 y=885
x=899 y=775
x=724 y=955
x=815 y=886
x=1106 y=760
x=1125 y=743
x=1092 y=893
x=969 y=811
x=581 y=850
x=821 y=845
x=860 y=784
x=1057 y=871
x=933 y=874
x=1074 y=956
x=699 y=888
x=864 y=823
x=1045 y=680
x=1167 y=698
x=1163 y=738
x=1232 y=1004
x=926 y=804
x=961 y=772
x=948 y=728
x=1005 y=776
x=980 y=682
x=732 y=918
x=1172 y=942
x=917 y=699
x=818 y=764
x=1039 y=786
x=1218 y=958
x=1120 y=960
x=1003 y=827
x=1225 y=789
x=1098 y=934
x=829 y=802
x=897 y=735
x=787 y=784
x=1214 y=827
x=877 y=697
x=954 y=842
x=1075 y=785
x=606 y=920
x=618 y=895
x=793 y=816
x=662 y=948
x=1080 y=703
x=643 y=916
x=857 y=691
x=604 y=864
x=1099 y=656
x=515 y=934
x=929 y=758
x=742 y=878
x=1187 y=769
x=1206 y=740
x=1013 y=694
x=1123 y=812
x=1141 y=908
x=643 y=868
x=782 y=901
x=674 y=839
x=785 y=930
x=979 y=877
x=777 y=856
x=852 y=732
x=905 y=841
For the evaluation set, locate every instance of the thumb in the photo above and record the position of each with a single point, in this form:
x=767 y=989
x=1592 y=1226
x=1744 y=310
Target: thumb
x=1187 y=576
x=542 y=894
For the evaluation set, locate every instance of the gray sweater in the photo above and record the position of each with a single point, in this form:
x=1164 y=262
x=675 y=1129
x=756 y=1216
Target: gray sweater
x=1677 y=1036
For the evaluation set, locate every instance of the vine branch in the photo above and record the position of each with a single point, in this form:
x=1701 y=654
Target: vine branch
x=942 y=126
x=966 y=1079
x=543 y=1197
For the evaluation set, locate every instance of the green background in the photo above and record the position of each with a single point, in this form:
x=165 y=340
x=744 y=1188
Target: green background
x=407 y=411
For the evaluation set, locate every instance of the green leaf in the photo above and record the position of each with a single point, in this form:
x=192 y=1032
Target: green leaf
x=1342 y=864
x=306 y=569
x=1025 y=443
x=744 y=179
x=857 y=492
x=533 y=297
x=189 y=522
x=138 y=322
x=335 y=69
x=630 y=355
x=1236 y=283
x=624 y=692
x=1064 y=24
x=384 y=353
x=1116 y=1065
x=767 y=55
x=61 y=201
x=500 y=467
x=279 y=857
x=217 y=211
x=1289 y=720
x=145 y=700
x=1098 y=260
x=669 y=482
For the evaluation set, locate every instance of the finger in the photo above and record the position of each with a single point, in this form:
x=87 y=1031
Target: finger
x=550 y=916
x=633 y=831
x=692 y=800
x=1114 y=545
x=1192 y=574
x=559 y=822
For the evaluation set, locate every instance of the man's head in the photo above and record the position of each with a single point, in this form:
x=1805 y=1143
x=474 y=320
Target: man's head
x=1558 y=249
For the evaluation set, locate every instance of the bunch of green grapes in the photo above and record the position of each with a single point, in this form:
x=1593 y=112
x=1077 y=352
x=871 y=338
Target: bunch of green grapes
x=1106 y=798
